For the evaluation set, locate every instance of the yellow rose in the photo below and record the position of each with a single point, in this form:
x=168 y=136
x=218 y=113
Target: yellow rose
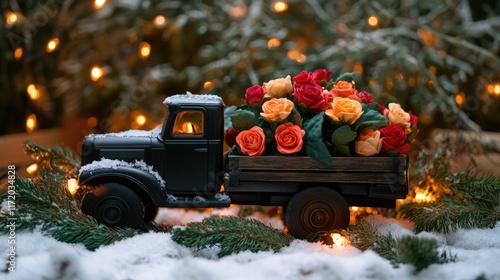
x=278 y=88
x=397 y=116
x=345 y=110
x=276 y=109
x=368 y=143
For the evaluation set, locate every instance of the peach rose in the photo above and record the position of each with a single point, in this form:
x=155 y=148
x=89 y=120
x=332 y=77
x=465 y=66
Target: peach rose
x=252 y=141
x=276 y=109
x=346 y=90
x=368 y=143
x=278 y=88
x=345 y=110
x=397 y=116
x=289 y=138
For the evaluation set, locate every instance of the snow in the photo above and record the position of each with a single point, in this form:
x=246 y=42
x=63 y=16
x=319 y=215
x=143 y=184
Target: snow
x=156 y=256
x=115 y=163
x=131 y=133
x=190 y=96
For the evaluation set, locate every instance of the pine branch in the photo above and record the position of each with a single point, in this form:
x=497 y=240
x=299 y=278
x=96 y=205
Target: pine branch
x=232 y=234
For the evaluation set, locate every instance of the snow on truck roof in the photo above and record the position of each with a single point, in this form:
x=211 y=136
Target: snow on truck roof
x=194 y=98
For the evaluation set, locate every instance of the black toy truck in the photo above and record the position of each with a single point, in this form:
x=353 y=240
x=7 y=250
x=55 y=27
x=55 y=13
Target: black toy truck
x=182 y=165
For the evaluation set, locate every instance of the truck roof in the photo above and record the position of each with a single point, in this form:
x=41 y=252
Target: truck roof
x=194 y=99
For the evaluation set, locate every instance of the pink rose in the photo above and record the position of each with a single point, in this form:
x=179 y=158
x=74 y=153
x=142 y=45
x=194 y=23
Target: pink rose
x=254 y=95
x=328 y=97
x=310 y=95
x=252 y=141
x=365 y=97
x=321 y=76
x=289 y=138
x=368 y=143
x=394 y=138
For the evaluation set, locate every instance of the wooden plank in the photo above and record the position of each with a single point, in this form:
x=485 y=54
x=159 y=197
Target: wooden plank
x=322 y=177
x=340 y=164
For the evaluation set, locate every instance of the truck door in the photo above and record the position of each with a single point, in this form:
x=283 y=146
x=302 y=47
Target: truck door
x=187 y=153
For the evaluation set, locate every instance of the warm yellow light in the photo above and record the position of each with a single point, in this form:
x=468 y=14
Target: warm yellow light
x=358 y=68
x=273 y=43
x=18 y=53
x=430 y=84
x=144 y=50
x=99 y=3
x=11 y=18
x=339 y=240
x=96 y=73
x=491 y=89
x=496 y=90
x=373 y=21
x=190 y=128
x=31 y=123
x=92 y=122
x=160 y=21
x=459 y=98
x=208 y=85
x=52 y=45
x=355 y=208
x=72 y=186
x=423 y=196
x=141 y=120
x=33 y=92
x=280 y=6
x=296 y=55
x=32 y=168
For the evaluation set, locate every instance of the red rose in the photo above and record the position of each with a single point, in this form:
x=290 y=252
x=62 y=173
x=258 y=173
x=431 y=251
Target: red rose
x=230 y=137
x=254 y=95
x=413 y=119
x=321 y=76
x=366 y=97
x=289 y=138
x=394 y=138
x=302 y=78
x=382 y=108
x=309 y=95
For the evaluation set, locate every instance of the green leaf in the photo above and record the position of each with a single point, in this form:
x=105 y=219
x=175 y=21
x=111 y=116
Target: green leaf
x=314 y=145
x=412 y=135
x=228 y=112
x=343 y=135
x=243 y=120
x=371 y=118
x=371 y=106
x=348 y=77
x=297 y=118
x=341 y=151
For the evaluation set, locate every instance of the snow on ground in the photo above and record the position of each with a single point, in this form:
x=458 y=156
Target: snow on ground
x=156 y=256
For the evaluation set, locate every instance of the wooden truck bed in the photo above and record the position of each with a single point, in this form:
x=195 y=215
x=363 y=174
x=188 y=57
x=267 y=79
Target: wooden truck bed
x=361 y=180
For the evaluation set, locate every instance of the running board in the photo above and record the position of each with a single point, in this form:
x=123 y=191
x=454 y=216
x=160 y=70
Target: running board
x=219 y=201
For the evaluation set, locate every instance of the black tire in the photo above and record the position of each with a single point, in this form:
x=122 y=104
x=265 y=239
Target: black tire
x=114 y=205
x=150 y=212
x=315 y=210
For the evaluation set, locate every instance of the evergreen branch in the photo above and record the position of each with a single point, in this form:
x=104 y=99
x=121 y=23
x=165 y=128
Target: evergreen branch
x=419 y=252
x=232 y=234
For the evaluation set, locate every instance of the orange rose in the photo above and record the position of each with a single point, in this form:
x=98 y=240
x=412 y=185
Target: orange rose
x=368 y=143
x=252 y=141
x=346 y=90
x=278 y=88
x=345 y=110
x=276 y=109
x=397 y=116
x=289 y=138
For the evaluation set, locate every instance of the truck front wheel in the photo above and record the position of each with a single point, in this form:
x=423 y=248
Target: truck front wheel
x=114 y=205
x=315 y=210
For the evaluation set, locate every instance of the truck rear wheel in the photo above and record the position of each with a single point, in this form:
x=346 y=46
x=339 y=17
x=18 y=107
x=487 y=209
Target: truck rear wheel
x=114 y=205
x=315 y=210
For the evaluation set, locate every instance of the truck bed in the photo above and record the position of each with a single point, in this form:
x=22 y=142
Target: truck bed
x=363 y=181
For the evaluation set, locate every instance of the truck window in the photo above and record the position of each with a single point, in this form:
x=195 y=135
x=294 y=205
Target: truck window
x=188 y=123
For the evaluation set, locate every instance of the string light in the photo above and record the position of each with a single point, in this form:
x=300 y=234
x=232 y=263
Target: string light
x=140 y=120
x=160 y=21
x=96 y=73
x=494 y=89
x=33 y=92
x=279 y=6
x=92 y=122
x=459 y=98
x=373 y=21
x=31 y=123
x=238 y=11
x=18 y=53
x=32 y=168
x=209 y=85
x=52 y=45
x=99 y=4
x=72 y=186
x=297 y=56
x=358 y=68
x=144 y=50
x=273 y=43
x=497 y=89
x=339 y=240
x=11 y=18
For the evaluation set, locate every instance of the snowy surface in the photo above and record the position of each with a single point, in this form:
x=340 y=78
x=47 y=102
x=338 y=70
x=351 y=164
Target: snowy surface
x=131 y=133
x=115 y=163
x=190 y=96
x=156 y=256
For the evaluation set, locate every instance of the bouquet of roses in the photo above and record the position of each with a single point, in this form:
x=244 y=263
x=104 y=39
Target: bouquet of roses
x=315 y=116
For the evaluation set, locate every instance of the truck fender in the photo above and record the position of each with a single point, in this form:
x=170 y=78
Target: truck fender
x=142 y=182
